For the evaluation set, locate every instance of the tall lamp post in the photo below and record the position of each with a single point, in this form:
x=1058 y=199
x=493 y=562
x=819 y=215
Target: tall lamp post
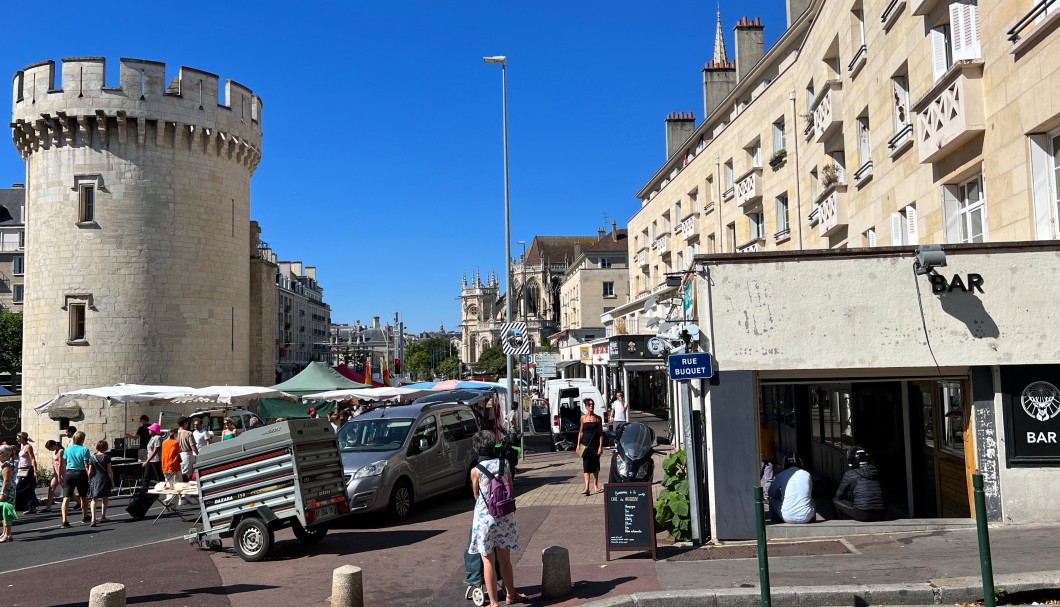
x=503 y=62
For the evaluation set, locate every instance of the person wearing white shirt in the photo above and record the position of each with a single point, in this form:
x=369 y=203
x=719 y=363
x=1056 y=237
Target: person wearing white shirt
x=202 y=435
x=619 y=412
x=791 y=493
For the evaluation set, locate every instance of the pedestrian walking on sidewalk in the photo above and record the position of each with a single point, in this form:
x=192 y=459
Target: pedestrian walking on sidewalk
x=493 y=539
x=8 y=468
x=26 y=500
x=619 y=412
x=101 y=483
x=153 y=457
x=75 y=480
x=55 y=486
x=591 y=445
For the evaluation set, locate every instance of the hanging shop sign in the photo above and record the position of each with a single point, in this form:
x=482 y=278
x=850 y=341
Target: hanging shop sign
x=631 y=347
x=601 y=353
x=1032 y=414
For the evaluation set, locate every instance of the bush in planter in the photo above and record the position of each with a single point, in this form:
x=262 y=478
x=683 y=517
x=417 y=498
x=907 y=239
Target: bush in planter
x=829 y=174
x=777 y=157
x=672 y=511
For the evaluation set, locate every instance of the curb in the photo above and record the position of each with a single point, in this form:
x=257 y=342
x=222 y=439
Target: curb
x=943 y=591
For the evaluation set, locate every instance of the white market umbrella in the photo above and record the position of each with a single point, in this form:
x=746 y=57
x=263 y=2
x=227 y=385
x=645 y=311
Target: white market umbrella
x=118 y=393
x=231 y=395
x=383 y=393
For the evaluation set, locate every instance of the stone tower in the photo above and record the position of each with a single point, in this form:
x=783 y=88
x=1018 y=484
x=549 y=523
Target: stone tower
x=138 y=227
x=479 y=309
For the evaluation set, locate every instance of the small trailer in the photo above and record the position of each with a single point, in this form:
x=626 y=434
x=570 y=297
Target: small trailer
x=283 y=474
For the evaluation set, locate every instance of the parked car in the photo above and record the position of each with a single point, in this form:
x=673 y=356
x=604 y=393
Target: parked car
x=396 y=456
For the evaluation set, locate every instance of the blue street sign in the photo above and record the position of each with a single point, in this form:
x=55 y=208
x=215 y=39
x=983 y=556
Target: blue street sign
x=697 y=365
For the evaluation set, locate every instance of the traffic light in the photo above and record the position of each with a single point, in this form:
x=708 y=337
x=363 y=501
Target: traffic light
x=397 y=365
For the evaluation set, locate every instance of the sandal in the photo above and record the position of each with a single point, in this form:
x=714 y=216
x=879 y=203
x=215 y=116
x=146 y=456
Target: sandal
x=519 y=597
x=104 y=520
x=65 y=525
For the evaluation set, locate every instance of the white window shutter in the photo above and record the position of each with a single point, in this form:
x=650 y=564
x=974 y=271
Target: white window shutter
x=913 y=234
x=982 y=197
x=1045 y=220
x=938 y=51
x=958 y=45
x=896 y=230
x=950 y=213
x=965 y=30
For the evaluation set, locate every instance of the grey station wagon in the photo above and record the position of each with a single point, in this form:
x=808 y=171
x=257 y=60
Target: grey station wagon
x=394 y=456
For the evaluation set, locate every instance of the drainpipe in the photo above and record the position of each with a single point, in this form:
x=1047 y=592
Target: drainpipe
x=795 y=165
x=719 y=242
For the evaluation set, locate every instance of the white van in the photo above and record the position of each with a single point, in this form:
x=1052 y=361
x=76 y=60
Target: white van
x=565 y=398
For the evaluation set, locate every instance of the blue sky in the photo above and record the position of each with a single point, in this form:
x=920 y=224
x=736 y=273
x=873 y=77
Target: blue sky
x=382 y=126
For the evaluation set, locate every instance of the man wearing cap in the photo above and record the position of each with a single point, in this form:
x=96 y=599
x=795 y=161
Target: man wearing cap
x=153 y=458
x=188 y=450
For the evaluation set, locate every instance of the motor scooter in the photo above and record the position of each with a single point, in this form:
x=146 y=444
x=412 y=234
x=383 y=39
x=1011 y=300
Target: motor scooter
x=632 y=461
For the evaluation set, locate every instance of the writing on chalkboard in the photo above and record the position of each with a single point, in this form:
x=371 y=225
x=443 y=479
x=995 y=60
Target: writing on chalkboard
x=629 y=517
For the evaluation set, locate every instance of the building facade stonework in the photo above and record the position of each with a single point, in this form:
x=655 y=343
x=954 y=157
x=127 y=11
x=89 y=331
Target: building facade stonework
x=137 y=219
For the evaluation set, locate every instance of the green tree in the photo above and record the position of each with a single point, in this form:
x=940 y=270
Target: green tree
x=11 y=344
x=450 y=368
x=546 y=345
x=493 y=361
x=418 y=365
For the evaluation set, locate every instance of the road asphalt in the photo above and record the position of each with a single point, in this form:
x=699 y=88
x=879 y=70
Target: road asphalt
x=420 y=561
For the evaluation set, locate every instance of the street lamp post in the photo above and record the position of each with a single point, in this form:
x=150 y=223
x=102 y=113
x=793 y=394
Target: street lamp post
x=503 y=62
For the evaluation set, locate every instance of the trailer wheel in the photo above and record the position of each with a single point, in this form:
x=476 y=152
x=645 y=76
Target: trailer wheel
x=311 y=535
x=400 y=500
x=214 y=545
x=252 y=539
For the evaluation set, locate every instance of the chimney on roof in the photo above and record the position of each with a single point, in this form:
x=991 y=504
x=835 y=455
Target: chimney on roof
x=600 y=233
x=375 y=322
x=750 y=45
x=679 y=127
x=311 y=272
x=577 y=250
x=614 y=230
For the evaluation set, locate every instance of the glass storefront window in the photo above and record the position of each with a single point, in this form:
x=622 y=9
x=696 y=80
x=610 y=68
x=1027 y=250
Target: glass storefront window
x=952 y=413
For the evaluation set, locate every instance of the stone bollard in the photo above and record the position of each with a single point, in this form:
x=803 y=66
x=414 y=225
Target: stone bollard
x=346 y=587
x=555 y=572
x=107 y=595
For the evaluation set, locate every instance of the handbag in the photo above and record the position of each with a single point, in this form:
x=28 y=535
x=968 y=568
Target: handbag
x=23 y=472
x=579 y=449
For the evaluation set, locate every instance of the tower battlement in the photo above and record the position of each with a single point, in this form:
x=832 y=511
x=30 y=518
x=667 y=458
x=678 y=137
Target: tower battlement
x=81 y=109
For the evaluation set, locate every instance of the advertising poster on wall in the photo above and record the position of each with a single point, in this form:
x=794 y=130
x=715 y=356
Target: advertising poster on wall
x=1032 y=414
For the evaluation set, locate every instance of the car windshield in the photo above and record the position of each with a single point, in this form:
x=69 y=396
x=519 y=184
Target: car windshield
x=385 y=434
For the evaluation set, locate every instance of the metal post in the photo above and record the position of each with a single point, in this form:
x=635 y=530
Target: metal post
x=691 y=463
x=763 y=556
x=984 y=541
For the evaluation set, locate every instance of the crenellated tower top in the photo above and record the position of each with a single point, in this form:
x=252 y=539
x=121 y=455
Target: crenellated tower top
x=81 y=110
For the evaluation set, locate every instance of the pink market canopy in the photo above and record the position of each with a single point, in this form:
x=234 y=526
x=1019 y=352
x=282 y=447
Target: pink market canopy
x=374 y=394
x=455 y=384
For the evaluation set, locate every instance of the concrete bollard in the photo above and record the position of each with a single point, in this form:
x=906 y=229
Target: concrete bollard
x=347 y=589
x=555 y=572
x=107 y=595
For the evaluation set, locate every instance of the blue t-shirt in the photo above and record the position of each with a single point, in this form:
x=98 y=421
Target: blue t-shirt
x=76 y=456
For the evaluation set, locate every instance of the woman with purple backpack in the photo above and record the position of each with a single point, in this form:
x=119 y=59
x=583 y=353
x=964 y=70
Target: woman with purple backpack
x=493 y=538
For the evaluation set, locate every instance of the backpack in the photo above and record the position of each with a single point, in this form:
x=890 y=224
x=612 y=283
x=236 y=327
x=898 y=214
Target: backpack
x=500 y=500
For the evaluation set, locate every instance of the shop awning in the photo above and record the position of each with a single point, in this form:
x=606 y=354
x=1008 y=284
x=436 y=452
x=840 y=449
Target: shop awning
x=640 y=365
x=567 y=363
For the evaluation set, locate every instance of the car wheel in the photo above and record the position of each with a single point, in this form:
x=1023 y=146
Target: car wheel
x=400 y=505
x=252 y=539
x=311 y=535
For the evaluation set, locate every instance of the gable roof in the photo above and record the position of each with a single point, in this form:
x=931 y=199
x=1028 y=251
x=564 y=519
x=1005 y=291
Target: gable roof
x=556 y=249
x=615 y=242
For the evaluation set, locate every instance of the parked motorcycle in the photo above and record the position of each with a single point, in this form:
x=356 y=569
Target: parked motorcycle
x=632 y=461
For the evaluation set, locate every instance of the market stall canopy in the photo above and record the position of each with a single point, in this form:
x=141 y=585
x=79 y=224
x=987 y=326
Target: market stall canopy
x=454 y=384
x=276 y=408
x=349 y=373
x=317 y=377
x=118 y=393
x=232 y=395
x=402 y=394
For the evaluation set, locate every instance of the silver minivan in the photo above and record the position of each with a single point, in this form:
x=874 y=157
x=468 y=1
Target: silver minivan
x=395 y=456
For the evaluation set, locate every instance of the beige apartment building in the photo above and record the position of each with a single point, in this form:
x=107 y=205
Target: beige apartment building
x=800 y=208
x=596 y=281
x=12 y=248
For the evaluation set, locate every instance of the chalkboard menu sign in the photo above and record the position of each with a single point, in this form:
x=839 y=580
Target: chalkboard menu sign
x=629 y=517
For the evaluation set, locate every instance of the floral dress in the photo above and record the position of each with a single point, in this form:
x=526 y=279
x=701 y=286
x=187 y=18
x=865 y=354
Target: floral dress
x=99 y=485
x=487 y=532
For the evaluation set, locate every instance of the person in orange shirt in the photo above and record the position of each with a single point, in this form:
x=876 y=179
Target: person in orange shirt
x=171 y=462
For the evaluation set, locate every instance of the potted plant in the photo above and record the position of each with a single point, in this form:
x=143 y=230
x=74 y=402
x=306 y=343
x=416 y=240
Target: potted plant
x=778 y=157
x=829 y=174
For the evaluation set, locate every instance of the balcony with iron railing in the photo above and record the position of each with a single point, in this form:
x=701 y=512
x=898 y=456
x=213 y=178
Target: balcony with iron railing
x=827 y=110
x=749 y=188
x=1035 y=25
x=951 y=113
x=831 y=207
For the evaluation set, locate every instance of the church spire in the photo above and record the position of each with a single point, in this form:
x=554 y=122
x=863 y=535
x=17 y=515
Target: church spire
x=719 y=43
